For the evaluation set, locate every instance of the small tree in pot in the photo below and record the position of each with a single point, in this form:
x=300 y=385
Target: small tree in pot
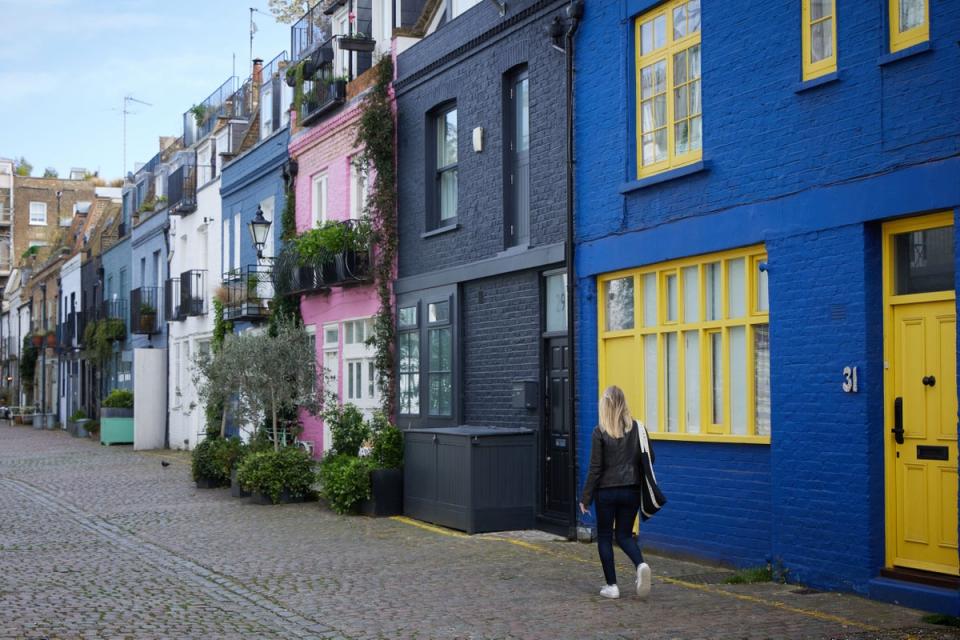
x=386 y=475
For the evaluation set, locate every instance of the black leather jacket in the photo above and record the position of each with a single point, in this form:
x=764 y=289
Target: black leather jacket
x=613 y=462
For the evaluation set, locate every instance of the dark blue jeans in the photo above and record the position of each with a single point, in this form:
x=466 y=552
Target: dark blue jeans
x=617 y=508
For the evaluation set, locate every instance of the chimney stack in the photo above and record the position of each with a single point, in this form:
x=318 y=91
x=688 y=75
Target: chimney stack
x=257 y=74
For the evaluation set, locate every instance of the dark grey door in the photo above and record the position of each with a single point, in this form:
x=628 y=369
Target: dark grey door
x=556 y=436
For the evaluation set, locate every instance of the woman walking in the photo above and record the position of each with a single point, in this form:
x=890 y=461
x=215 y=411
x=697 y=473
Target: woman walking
x=622 y=481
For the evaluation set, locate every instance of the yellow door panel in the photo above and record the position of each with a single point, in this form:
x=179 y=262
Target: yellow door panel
x=915 y=517
x=948 y=524
x=924 y=472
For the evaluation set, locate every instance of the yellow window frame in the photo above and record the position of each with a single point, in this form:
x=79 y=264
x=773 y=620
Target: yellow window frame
x=632 y=378
x=829 y=64
x=666 y=52
x=902 y=40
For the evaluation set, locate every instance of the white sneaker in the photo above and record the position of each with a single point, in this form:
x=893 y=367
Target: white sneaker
x=610 y=591
x=644 y=578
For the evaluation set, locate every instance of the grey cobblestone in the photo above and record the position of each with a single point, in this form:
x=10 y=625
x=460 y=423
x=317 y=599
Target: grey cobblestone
x=100 y=542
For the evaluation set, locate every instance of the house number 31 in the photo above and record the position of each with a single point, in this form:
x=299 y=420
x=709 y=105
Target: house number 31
x=850 y=379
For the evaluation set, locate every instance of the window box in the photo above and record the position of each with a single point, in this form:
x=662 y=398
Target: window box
x=356 y=42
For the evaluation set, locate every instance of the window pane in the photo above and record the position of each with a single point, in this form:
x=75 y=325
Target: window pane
x=693 y=62
x=679 y=22
x=714 y=292
x=681 y=134
x=691 y=294
x=646 y=38
x=738 y=380
x=761 y=377
x=763 y=292
x=330 y=335
x=659 y=32
x=650 y=300
x=619 y=304
x=660 y=143
x=680 y=67
x=691 y=379
x=440 y=394
x=696 y=134
x=736 y=288
x=673 y=382
x=348 y=331
x=556 y=302
x=716 y=377
x=522 y=116
x=409 y=346
x=911 y=14
x=820 y=8
x=448 y=194
x=408 y=317
x=671 y=282
x=350 y=379
x=410 y=394
x=693 y=16
x=650 y=383
x=371 y=378
x=923 y=261
x=821 y=40
x=438 y=312
x=440 y=348
x=447 y=139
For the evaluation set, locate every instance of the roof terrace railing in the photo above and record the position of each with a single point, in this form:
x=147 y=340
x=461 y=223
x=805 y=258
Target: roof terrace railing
x=199 y=120
x=308 y=32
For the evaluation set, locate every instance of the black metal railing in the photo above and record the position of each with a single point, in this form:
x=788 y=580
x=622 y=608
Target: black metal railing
x=145 y=310
x=199 y=120
x=248 y=292
x=171 y=299
x=113 y=309
x=193 y=302
x=308 y=32
x=319 y=97
x=294 y=273
x=67 y=332
x=182 y=189
x=83 y=319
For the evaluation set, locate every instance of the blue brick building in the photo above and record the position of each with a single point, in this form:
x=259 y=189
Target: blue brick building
x=766 y=263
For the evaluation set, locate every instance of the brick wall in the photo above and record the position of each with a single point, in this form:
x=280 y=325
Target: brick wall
x=27 y=190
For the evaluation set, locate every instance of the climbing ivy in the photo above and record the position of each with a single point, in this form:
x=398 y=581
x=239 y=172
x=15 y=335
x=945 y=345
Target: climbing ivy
x=375 y=134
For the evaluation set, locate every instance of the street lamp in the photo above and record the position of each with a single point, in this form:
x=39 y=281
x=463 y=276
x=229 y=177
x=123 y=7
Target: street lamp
x=259 y=228
x=43 y=357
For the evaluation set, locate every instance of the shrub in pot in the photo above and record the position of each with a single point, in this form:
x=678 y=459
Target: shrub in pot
x=348 y=430
x=213 y=460
x=285 y=475
x=77 y=424
x=344 y=481
x=116 y=418
x=386 y=475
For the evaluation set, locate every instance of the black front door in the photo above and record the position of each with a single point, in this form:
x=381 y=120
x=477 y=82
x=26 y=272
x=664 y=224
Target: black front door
x=556 y=436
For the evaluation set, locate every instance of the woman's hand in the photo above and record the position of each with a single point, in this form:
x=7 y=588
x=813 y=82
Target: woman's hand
x=583 y=509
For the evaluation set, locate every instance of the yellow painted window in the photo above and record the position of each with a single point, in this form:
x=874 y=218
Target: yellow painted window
x=819 y=37
x=909 y=23
x=669 y=122
x=689 y=343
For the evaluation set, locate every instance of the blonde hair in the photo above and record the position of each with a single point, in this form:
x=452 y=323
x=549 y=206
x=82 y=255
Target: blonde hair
x=615 y=417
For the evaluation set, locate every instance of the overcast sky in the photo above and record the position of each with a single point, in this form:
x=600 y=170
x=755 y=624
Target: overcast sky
x=65 y=66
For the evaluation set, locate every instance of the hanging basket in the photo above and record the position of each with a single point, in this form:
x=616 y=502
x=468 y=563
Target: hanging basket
x=51 y=340
x=36 y=339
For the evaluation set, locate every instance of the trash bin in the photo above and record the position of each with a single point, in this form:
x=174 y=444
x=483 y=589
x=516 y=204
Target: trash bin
x=474 y=479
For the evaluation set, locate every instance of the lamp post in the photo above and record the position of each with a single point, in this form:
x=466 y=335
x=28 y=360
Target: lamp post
x=259 y=228
x=43 y=355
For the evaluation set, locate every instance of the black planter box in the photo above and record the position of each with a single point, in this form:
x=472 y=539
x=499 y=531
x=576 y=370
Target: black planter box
x=475 y=479
x=362 y=45
x=285 y=498
x=208 y=483
x=236 y=489
x=386 y=494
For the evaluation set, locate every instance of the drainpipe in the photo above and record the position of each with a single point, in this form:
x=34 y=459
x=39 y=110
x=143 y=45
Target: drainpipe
x=574 y=13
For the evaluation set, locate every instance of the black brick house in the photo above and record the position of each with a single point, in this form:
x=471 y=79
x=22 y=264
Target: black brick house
x=482 y=197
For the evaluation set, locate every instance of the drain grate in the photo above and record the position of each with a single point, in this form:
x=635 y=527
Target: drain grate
x=715 y=577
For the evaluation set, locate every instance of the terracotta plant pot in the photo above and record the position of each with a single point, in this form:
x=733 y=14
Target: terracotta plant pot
x=36 y=339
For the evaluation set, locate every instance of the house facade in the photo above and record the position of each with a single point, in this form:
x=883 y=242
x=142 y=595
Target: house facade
x=770 y=275
x=482 y=213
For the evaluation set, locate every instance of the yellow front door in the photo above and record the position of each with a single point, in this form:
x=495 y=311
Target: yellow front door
x=925 y=462
x=921 y=394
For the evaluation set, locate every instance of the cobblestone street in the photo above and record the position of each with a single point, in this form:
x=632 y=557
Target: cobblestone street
x=107 y=542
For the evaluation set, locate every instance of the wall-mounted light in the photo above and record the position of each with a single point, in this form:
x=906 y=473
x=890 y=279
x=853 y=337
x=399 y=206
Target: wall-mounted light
x=259 y=228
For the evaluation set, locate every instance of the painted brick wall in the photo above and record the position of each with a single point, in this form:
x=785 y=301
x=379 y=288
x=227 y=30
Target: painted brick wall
x=762 y=139
x=827 y=453
x=494 y=356
x=476 y=83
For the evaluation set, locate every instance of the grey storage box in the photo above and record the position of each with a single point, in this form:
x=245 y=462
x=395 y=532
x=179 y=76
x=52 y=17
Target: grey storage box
x=474 y=479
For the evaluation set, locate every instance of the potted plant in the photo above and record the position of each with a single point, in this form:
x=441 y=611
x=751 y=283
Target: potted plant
x=213 y=460
x=36 y=339
x=337 y=87
x=51 y=337
x=148 y=318
x=356 y=42
x=280 y=476
x=386 y=473
x=353 y=262
x=199 y=112
x=344 y=476
x=116 y=418
x=77 y=424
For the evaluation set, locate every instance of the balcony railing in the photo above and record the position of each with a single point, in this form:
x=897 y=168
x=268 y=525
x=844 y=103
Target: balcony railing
x=113 y=309
x=193 y=301
x=248 y=293
x=309 y=32
x=272 y=94
x=319 y=97
x=144 y=310
x=67 y=332
x=294 y=274
x=83 y=319
x=171 y=300
x=230 y=100
x=182 y=189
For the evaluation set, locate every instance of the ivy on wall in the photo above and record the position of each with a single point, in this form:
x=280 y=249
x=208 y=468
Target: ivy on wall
x=375 y=134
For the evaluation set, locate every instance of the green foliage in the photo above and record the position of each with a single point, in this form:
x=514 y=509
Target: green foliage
x=79 y=414
x=288 y=219
x=199 y=112
x=119 y=399
x=387 y=450
x=23 y=167
x=289 y=11
x=344 y=481
x=297 y=71
x=375 y=134
x=320 y=245
x=274 y=472
x=221 y=327
x=348 y=431
x=941 y=619
x=750 y=576
x=214 y=459
x=28 y=362
x=99 y=337
x=30 y=252
x=50 y=172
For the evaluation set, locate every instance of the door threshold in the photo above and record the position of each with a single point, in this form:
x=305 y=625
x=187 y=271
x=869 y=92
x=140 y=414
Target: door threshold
x=918 y=576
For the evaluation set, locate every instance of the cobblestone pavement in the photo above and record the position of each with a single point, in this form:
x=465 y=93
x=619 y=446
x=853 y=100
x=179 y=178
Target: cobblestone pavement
x=100 y=542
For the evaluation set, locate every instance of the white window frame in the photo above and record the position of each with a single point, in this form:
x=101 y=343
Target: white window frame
x=266 y=110
x=36 y=213
x=319 y=202
x=357 y=353
x=358 y=190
